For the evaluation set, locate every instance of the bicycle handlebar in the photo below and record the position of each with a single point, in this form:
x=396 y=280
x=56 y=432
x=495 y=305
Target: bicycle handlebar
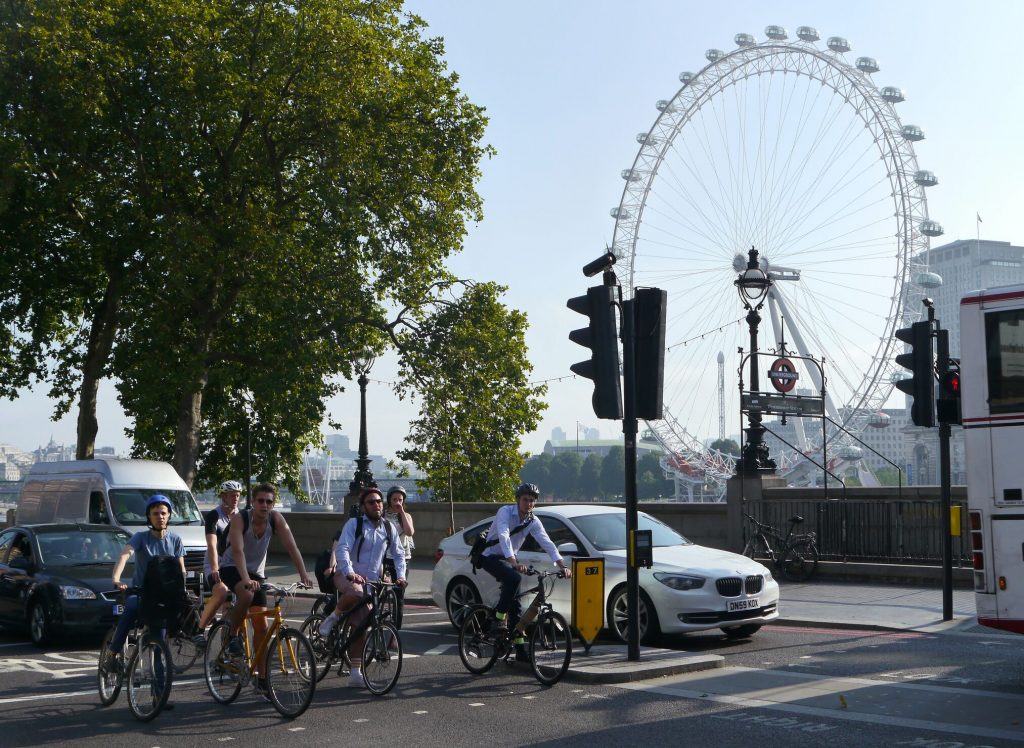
x=532 y=572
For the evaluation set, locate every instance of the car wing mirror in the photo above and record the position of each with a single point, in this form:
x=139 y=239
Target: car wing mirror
x=568 y=549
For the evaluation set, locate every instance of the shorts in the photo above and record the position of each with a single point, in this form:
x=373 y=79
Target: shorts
x=345 y=586
x=229 y=575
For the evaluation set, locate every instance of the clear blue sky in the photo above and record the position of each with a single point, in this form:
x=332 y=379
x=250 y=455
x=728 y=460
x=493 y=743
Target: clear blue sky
x=568 y=85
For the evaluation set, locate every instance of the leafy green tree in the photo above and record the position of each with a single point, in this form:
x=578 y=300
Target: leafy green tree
x=205 y=198
x=466 y=366
x=590 y=478
x=613 y=472
x=726 y=446
x=537 y=470
x=565 y=474
x=651 y=483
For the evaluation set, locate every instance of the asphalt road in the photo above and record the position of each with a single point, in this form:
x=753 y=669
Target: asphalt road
x=788 y=685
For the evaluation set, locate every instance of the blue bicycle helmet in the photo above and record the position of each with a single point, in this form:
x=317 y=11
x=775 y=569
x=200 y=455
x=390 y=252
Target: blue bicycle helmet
x=159 y=498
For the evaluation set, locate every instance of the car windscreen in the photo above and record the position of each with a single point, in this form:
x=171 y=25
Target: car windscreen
x=129 y=505
x=73 y=548
x=607 y=532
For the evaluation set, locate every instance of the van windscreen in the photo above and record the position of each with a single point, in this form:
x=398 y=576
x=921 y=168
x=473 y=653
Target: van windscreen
x=129 y=505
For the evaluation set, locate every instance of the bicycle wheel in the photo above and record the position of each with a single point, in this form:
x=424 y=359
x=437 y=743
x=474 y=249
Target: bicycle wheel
x=757 y=547
x=223 y=673
x=389 y=604
x=109 y=673
x=800 y=562
x=310 y=628
x=183 y=652
x=550 y=648
x=478 y=648
x=291 y=673
x=382 y=658
x=149 y=679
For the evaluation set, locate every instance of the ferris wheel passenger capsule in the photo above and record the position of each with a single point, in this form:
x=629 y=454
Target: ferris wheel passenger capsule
x=714 y=55
x=931 y=228
x=664 y=105
x=743 y=40
x=645 y=138
x=878 y=420
x=867 y=64
x=912 y=133
x=778 y=33
x=807 y=33
x=619 y=213
x=892 y=94
x=838 y=44
x=631 y=175
x=925 y=178
x=928 y=279
x=850 y=453
x=685 y=77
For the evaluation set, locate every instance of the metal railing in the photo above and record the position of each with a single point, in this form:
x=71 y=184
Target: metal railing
x=895 y=531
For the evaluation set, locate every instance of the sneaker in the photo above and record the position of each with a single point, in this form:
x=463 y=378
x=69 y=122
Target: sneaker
x=326 y=626
x=113 y=662
x=521 y=654
x=199 y=640
x=355 y=679
x=235 y=647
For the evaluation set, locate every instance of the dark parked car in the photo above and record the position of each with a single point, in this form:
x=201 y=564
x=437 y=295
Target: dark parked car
x=55 y=578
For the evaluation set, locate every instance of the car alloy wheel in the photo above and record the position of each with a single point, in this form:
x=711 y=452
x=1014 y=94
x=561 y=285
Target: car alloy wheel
x=462 y=595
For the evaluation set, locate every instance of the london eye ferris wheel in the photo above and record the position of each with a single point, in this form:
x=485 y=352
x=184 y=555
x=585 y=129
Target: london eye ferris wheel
x=790 y=147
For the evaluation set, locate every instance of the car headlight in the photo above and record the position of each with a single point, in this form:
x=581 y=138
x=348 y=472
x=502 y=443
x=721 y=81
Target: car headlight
x=680 y=582
x=72 y=592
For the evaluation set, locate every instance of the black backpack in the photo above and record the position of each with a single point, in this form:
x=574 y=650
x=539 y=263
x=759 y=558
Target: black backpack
x=163 y=591
x=323 y=562
x=481 y=543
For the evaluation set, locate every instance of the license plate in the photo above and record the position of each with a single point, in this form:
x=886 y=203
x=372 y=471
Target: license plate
x=118 y=609
x=750 y=604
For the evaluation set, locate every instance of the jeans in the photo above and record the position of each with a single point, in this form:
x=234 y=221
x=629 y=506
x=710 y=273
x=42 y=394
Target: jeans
x=509 y=579
x=124 y=625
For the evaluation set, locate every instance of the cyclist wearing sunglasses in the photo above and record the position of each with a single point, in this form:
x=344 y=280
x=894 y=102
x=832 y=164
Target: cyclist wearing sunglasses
x=242 y=567
x=360 y=555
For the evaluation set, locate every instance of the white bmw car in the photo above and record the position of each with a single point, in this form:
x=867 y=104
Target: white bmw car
x=689 y=588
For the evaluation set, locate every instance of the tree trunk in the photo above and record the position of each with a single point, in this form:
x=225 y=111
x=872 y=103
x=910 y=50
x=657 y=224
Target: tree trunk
x=105 y=322
x=186 y=437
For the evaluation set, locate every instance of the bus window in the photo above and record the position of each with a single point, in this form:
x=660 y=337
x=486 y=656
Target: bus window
x=1004 y=346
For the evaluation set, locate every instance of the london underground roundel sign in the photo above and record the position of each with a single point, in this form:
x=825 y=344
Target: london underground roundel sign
x=783 y=374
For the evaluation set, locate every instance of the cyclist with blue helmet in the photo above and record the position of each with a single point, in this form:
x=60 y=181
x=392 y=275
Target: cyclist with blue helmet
x=144 y=545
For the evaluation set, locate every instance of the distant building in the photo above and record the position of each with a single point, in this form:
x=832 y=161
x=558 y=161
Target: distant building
x=599 y=447
x=558 y=434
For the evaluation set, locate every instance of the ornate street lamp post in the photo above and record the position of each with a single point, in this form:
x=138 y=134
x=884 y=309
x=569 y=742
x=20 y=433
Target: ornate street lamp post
x=753 y=285
x=362 y=477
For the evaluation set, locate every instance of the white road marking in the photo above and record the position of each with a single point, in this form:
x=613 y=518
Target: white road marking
x=477 y=703
x=438 y=650
x=798 y=693
x=421 y=711
x=296 y=729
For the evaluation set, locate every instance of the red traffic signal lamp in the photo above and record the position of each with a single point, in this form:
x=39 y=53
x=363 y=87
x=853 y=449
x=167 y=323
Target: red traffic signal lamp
x=919 y=360
x=948 y=407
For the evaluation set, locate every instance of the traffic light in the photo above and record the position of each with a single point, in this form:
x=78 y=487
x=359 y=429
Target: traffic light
x=601 y=337
x=947 y=407
x=649 y=321
x=921 y=385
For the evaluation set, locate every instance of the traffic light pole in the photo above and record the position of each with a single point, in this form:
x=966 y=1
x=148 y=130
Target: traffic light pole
x=629 y=429
x=945 y=494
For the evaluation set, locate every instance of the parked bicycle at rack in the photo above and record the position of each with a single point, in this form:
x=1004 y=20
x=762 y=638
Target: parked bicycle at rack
x=382 y=649
x=482 y=642
x=794 y=555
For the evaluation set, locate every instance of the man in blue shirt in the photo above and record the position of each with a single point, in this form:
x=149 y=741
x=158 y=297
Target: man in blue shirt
x=359 y=557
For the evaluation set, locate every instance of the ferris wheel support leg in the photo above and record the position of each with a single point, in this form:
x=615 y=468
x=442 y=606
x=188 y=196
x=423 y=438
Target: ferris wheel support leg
x=802 y=349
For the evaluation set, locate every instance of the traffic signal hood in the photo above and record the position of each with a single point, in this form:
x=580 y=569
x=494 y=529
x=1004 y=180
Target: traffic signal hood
x=919 y=360
x=601 y=337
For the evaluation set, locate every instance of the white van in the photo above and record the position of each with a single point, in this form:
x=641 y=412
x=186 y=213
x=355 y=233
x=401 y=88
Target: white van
x=111 y=491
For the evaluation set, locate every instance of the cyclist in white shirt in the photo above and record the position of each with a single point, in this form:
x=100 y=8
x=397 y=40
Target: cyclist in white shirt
x=510 y=527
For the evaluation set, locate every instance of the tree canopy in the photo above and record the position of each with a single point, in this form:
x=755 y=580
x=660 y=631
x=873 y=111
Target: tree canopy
x=216 y=202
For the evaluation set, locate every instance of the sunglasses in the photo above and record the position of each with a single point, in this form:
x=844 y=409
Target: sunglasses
x=263 y=501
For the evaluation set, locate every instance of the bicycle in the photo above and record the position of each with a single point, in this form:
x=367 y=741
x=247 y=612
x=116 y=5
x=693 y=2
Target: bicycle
x=795 y=555
x=144 y=662
x=382 y=650
x=328 y=601
x=290 y=670
x=482 y=641
x=184 y=652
